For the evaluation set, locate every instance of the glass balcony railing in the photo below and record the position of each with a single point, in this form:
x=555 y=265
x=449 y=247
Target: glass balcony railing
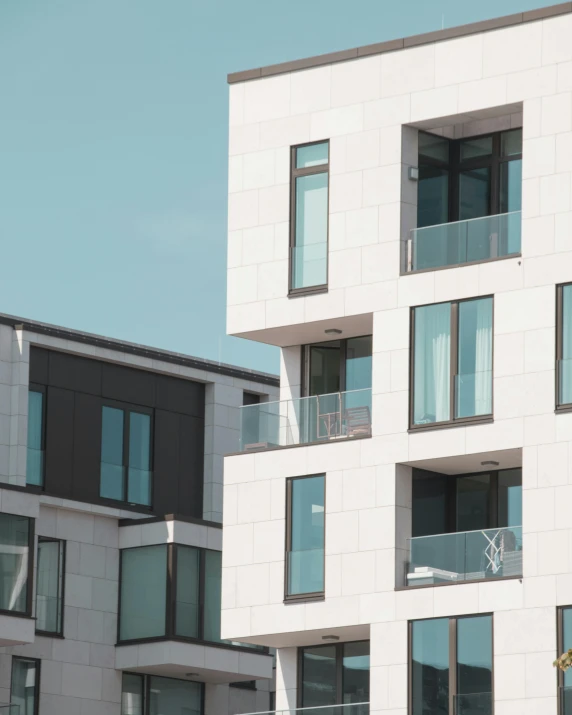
x=319 y=418
x=474 y=704
x=309 y=265
x=465 y=556
x=453 y=244
x=346 y=709
x=566 y=700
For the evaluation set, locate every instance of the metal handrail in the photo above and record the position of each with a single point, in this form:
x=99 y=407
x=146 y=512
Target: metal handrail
x=313 y=709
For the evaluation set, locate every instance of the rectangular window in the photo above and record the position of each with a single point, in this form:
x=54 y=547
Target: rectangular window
x=335 y=675
x=16 y=543
x=154 y=695
x=305 y=536
x=35 y=452
x=564 y=346
x=452 y=361
x=25 y=689
x=309 y=217
x=143 y=592
x=450 y=668
x=50 y=585
x=126 y=455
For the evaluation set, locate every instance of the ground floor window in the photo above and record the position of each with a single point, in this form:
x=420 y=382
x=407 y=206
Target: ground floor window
x=152 y=695
x=335 y=675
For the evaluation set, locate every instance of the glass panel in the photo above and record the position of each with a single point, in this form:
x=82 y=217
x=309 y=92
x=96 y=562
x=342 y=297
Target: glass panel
x=139 y=488
x=318 y=676
x=187 y=605
x=474 y=383
x=476 y=148
x=358 y=363
x=429 y=511
x=355 y=676
x=566 y=645
x=132 y=694
x=433 y=147
x=111 y=484
x=49 y=586
x=511 y=142
x=213 y=575
x=474 y=662
x=565 y=367
x=24 y=685
x=310 y=253
x=325 y=361
x=511 y=186
x=14 y=548
x=143 y=592
x=432 y=364
x=34 y=464
x=168 y=696
x=306 y=557
x=312 y=155
x=432 y=196
x=474 y=200
x=430 y=667
x=474 y=704
x=473 y=494
x=510 y=497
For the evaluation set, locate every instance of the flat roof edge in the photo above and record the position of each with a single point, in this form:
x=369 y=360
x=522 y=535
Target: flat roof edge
x=121 y=346
x=402 y=43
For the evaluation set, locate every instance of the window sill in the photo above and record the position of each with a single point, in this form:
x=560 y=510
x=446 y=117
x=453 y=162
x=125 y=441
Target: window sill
x=301 y=292
x=459 y=265
x=48 y=634
x=458 y=583
x=305 y=598
x=16 y=614
x=191 y=641
x=563 y=409
x=448 y=425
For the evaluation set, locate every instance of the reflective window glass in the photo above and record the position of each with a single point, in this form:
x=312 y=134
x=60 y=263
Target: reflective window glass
x=319 y=676
x=355 y=673
x=306 y=553
x=430 y=667
x=132 y=694
x=312 y=155
x=168 y=696
x=24 y=693
x=35 y=455
x=143 y=592
x=49 y=586
x=14 y=555
x=111 y=484
x=187 y=605
x=432 y=363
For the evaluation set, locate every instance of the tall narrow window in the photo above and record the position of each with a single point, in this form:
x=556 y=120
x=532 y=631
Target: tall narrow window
x=335 y=675
x=132 y=694
x=25 y=690
x=50 y=586
x=564 y=644
x=452 y=361
x=143 y=594
x=450 y=667
x=126 y=455
x=305 y=536
x=35 y=454
x=309 y=217
x=16 y=537
x=564 y=346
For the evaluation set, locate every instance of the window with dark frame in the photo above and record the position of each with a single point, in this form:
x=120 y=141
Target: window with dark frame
x=309 y=217
x=564 y=643
x=126 y=454
x=16 y=563
x=171 y=592
x=50 y=577
x=451 y=362
x=25 y=685
x=564 y=346
x=154 y=695
x=334 y=674
x=305 y=537
x=36 y=435
x=451 y=665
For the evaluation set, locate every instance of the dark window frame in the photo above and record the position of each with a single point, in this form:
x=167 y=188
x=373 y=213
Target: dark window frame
x=171 y=603
x=295 y=174
x=146 y=689
x=453 y=620
x=127 y=409
x=30 y=582
x=456 y=166
x=38 y=664
x=306 y=349
x=560 y=406
x=559 y=650
x=339 y=647
x=316 y=595
x=35 y=387
x=62 y=571
x=454 y=366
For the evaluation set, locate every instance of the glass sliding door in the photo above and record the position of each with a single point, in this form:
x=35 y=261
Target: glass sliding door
x=319 y=676
x=474 y=665
x=355 y=672
x=429 y=670
x=432 y=364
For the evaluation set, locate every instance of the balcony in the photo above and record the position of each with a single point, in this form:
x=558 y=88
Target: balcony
x=306 y=420
x=471 y=241
x=465 y=556
x=474 y=704
x=347 y=709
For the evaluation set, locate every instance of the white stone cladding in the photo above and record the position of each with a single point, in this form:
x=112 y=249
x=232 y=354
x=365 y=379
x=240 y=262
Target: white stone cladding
x=370 y=109
x=79 y=674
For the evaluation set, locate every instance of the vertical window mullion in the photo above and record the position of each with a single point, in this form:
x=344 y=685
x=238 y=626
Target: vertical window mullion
x=126 y=424
x=339 y=674
x=202 y=559
x=171 y=599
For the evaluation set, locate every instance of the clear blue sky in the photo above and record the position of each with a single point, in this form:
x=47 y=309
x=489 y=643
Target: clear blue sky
x=113 y=150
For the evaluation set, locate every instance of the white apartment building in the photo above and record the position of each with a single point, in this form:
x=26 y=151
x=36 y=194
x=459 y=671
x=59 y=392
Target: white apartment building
x=111 y=459
x=399 y=525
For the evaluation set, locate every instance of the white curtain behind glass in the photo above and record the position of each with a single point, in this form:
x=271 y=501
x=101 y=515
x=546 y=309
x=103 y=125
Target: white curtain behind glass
x=432 y=363
x=484 y=357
